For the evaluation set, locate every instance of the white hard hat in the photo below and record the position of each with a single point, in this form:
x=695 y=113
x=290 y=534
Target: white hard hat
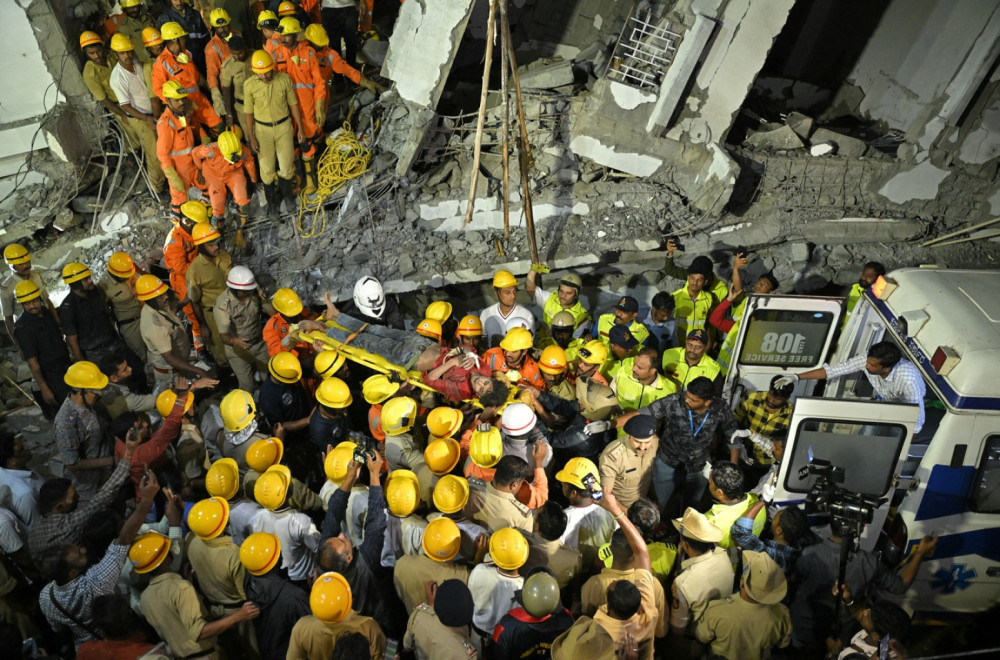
x=517 y=321
x=517 y=419
x=369 y=297
x=241 y=278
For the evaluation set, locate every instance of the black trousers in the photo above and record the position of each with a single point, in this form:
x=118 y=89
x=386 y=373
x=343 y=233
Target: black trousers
x=342 y=23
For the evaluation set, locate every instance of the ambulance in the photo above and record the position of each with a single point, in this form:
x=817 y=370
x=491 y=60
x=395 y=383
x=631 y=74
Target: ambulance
x=944 y=479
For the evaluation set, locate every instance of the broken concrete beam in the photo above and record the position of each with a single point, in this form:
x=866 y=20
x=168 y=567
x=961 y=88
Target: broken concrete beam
x=800 y=123
x=845 y=144
x=799 y=252
x=547 y=73
x=780 y=139
x=833 y=231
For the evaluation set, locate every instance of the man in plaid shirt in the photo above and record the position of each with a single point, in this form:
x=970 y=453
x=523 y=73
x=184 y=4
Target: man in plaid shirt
x=767 y=415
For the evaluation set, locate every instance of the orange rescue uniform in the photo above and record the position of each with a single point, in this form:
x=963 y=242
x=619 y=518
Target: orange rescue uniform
x=528 y=370
x=302 y=66
x=276 y=329
x=330 y=62
x=175 y=140
x=221 y=174
x=167 y=68
x=178 y=253
x=216 y=53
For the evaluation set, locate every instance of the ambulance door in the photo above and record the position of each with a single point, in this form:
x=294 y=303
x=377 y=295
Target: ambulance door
x=868 y=439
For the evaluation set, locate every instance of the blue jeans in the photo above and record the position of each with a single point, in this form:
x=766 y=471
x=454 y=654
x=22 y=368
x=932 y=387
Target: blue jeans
x=397 y=346
x=663 y=484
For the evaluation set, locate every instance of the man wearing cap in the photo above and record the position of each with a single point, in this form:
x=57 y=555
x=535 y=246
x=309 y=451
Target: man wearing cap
x=441 y=542
x=529 y=630
x=514 y=354
x=439 y=627
x=694 y=300
x=495 y=317
x=118 y=285
x=281 y=603
x=638 y=383
x=747 y=625
x=237 y=315
x=622 y=344
x=627 y=463
x=18 y=259
x=593 y=356
x=37 y=334
x=168 y=345
x=588 y=524
x=685 y=363
x=592 y=401
x=84 y=452
x=283 y=398
x=298 y=534
x=206 y=281
x=565 y=298
x=624 y=314
x=706 y=574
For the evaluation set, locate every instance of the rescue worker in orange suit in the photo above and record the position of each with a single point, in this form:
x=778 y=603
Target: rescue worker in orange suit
x=178 y=253
x=267 y=23
x=306 y=11
x=288 y=309
x=153 y=43
x=299 y=61
x=514 y=354
x=330 y=62
x=175 y=63
x=175 y=139
x=222 y=165
x=269 y=101
x=216 y=53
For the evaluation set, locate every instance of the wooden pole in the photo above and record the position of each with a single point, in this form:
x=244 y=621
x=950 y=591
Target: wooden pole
x=490 y=31
x=505 y=145
x=967 y=240
x=960 y=231
x=523 y=149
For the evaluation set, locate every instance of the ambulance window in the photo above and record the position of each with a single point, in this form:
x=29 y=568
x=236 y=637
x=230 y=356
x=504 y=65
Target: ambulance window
x=842 y=443
x=986 y=498
x=786 y=338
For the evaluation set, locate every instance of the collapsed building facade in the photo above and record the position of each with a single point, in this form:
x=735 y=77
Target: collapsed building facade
x=817 y=134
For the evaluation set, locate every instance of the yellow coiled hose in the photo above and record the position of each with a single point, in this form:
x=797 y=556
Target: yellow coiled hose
x=345 y=158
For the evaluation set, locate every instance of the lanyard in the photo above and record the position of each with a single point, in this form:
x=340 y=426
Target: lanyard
x=694 y=433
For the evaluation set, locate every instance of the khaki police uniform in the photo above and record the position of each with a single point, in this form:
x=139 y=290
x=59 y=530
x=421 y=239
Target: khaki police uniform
x=191 y=455
x=132 y=28
x=312 y=638
x=270 y=105
x=412 y=572
x=676 y=368
x=233 y=74
x=173 y=608
x=7 y=306
x=736 y=627
x=216 y=562
x=403 y=453
x=702 y=579
x=126 y=308
x=162 y=332
x=625 y=473
x=565 y=563
x=501 y=509
x=242 y=319
x=432 y=640
x=595 y=591
x=206 y=281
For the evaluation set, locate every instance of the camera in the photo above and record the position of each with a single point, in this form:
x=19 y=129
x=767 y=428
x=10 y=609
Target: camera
x=363 y=452
x=826 y=496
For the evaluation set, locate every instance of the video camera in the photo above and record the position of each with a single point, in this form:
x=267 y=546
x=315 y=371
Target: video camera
x=826 y=496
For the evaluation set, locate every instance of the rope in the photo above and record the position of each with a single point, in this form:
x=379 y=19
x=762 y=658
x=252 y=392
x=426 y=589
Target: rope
x=344 y=159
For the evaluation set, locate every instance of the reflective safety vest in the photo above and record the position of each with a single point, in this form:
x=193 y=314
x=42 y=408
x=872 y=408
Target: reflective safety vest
x=691 y=314
x=676 y=368
x=216 y=53
x=633 y=395
x=375 y=422
x=604 y=323
x=174 y=139
x=553 y=306
x=302 y=66
x=726 y=352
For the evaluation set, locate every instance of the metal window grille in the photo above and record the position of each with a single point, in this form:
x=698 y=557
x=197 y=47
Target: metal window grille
x=644 y=50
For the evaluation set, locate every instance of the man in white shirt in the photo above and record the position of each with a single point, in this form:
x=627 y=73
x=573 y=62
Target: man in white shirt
x=129 y=85
x=22 y=482
x=297 y=532
x=589 y=526
x=495 y=316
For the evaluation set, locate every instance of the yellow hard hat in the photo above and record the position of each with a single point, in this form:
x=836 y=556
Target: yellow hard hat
x=223 y=479
x=504 y=279
x=271 y=488
x=209 y=517
x=229 y=145
x=441 y=455
x=430 y=328
x=285 y=367
x=442 y=539
x=402 y=492
x=74 y=271
x=451 y=493
x=89 y=38
x=576 y=470
x=173 y=90
x=172 y=30
x=486 y=446
x=470 y=326
x=317 y=35
x=238 y=410
x=15 y=254
x=151 y=37
x=289 y=25
x=330 y=598
x=167 y=399
x=517 y=339
x=594 y=352
x=260 y=552
x=336 y=461
x=204 y=232
x=148 y=287
x=120 y=43
x=443 y=421
x=334 y=393
x=287 y=303
x=85 y=375
x=398 y=415
x=327 y=363
x=439 y=310
x=378 y=388
x=125 y=4
x=218 y=17
x=553 y=360
x=508 y=548
x=286 y=8
x=261 y=62
x=26 y=290
x=121 y=265
x=264 y=453
x=266 y=15
x=148 y=551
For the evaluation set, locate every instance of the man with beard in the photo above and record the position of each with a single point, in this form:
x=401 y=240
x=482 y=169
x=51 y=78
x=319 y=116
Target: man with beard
x=513 y=354
x=871 y=272
x=683 y=364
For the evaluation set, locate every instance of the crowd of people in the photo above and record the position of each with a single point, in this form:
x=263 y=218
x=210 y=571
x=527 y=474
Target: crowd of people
x=240 y=474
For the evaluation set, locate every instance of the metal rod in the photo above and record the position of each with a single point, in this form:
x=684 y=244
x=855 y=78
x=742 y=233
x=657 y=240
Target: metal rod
x=959 y=232
x=482 y=113
x=966 y=240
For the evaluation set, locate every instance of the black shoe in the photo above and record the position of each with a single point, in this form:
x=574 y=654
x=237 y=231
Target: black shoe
x=273 y=197
x=288 y=195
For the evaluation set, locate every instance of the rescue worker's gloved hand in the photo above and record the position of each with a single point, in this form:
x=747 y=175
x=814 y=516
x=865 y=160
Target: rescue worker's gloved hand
x=320 y=112
x=176 y=182
x=785 y=381
x=371 y=85
x=767 y=491
x=593 y=428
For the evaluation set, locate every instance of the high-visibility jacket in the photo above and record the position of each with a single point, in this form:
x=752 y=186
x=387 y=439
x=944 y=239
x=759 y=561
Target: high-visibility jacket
x=175 y=140
x=167 y=68
x=302 y=66
x=553 y=306
x=179 y=251
x=676 y=368
x=606 y=321
x=529 y=368
x=330 y=62
x=632 y=394
x=208 y=158
x=216 y=53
